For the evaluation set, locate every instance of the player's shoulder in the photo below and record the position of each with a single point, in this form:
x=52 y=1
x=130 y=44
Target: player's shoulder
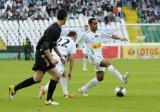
x=54 y=27
x=99 y=31
x=71 y=41
x=85 y=33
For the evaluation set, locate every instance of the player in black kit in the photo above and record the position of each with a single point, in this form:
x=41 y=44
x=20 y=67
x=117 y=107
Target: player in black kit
x=44 y=61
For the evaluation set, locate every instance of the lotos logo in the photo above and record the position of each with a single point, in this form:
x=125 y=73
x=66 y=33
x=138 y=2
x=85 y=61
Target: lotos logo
x=147 y=51
x=143 y=51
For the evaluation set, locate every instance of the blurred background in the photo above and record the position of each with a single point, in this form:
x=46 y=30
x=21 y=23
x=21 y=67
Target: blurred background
x=22 y=23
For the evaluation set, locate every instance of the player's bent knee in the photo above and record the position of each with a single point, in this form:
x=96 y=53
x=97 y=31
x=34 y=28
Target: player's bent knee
x=100 y=75
x=105 y=63
x=100 y=79
x=56 y=77
x=37 y=80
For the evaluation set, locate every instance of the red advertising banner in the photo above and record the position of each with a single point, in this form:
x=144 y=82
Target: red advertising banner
x=107 y=51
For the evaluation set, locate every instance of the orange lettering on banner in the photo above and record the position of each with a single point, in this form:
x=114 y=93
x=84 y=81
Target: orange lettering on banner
x=153 y=51
x=147 y=51
x=156 y=51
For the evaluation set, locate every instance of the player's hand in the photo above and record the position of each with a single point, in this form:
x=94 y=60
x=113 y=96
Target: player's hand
x=54 y=62
x=70 y=76
x=63 y=60
x=124 y=39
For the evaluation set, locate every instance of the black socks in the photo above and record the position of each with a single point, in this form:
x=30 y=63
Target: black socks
x=25 y=83
x=51 y=88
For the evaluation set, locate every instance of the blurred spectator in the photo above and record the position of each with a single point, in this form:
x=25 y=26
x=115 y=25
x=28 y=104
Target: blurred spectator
x=103 y=10
x=27 y=49
x=148 y=11
x=129 y=4
x=44 y=9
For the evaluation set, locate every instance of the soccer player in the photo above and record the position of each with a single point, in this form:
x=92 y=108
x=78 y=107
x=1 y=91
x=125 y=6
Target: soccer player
x=93 y=40
x=84 y=49
x=44 y=62
x=67 y=47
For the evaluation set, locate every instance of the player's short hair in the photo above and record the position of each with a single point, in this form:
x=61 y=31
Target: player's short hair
x=61 y=14
x=72 y=33
x=91 y=20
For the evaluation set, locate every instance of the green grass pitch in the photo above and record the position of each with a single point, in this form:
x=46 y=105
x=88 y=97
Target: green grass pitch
x=143 y=89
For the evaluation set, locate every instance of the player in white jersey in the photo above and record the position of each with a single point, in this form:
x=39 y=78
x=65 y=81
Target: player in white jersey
x=67 y=47
x=93 y=40
x=84 y=50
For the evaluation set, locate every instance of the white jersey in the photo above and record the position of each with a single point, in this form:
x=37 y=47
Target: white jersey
x=66 y=46
x=93 y=41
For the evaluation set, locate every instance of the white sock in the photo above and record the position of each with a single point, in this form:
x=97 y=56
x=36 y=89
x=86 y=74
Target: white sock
x=46 y=87
x=85 y=61
x=63 y=82
x=91 y=83
x=115 y=72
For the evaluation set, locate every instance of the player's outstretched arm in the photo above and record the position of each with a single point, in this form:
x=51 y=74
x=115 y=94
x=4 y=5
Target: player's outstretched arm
x=118 y=38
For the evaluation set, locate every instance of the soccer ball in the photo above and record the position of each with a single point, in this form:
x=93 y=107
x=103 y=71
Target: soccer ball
x=120 y=91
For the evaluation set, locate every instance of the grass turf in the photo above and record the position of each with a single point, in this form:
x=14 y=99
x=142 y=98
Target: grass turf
x=143 y=91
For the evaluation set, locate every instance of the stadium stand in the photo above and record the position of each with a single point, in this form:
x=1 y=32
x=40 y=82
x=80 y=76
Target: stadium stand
x=45 y=9
x=13 y=32
x=29 y=18
x=144 y=12
x=39 y=14
x=149 y=12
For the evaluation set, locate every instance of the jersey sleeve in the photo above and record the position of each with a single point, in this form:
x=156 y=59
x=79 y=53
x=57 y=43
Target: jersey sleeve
x=106 y=35
x=81 y=39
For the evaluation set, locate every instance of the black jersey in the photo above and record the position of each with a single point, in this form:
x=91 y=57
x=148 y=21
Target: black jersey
x=49 y=38
x=47 y=41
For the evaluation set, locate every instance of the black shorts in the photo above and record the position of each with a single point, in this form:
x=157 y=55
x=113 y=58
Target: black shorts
x=42 y=64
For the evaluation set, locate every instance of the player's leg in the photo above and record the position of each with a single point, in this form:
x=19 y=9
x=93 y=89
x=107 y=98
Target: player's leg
x=52 y=86
x=114 y=71
x=42 y=90
x=85 y=62
x=25 y=53
x=63 y=81
x=99 y=75
x=93 y=82
x=26 y=83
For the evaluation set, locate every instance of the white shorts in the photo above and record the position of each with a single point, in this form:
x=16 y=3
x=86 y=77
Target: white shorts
x=60 y=67
x=96 y=60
